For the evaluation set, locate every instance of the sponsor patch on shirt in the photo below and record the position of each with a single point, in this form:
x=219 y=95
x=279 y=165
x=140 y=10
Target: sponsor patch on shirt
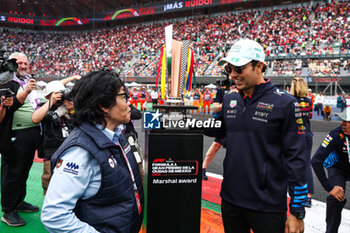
x=300 y=121
x=261 y=106
x=326 y=141
x=233 y=103
x=301 y=129
x=126 y=148
x=72 y=168
x=341 y=136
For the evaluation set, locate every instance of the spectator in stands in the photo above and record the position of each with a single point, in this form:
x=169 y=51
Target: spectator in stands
x=283 y=32
x=20 y=137
x=299 y=90
x=96 y=183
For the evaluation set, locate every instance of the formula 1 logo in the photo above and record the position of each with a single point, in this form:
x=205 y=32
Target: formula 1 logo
x=151 y=120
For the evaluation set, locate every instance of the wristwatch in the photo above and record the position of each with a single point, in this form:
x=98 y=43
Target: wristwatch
x=300 y=215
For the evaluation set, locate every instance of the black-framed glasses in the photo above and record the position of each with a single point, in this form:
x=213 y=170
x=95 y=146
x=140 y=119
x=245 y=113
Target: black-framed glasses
x=126 y=96
x=237 y=69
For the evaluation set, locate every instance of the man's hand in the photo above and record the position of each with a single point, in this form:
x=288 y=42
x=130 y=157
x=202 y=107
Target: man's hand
x=31 y=86
x=294 y=225
x=68 y=104
x=55 y=97
x=6 y=102
x=338 y=193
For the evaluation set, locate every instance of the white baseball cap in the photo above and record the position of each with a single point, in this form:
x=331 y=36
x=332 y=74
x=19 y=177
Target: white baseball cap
x=243 y=52
x=54 y=86
x=345 y=115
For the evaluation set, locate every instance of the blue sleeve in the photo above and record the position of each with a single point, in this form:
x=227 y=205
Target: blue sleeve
x=294 y=149
x=78 y=176
x=325 y=156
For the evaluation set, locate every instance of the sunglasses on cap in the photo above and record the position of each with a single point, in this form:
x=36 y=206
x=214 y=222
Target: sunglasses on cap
x=237 y=69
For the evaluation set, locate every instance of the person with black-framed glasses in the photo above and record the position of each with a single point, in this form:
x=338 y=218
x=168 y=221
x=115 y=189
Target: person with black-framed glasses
x=96 y=184
x=265 y=149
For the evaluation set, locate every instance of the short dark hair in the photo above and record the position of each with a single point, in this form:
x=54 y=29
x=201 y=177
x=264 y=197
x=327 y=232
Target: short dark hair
x=255 y=62
x=95 y=90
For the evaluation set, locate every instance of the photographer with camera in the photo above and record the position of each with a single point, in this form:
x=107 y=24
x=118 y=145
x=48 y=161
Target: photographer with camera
x=55 y=118
x=19 y=138
x=5 y=102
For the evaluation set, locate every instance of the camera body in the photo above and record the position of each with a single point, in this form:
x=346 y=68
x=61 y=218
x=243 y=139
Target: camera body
x=7 y=68
x=66 y=95
x=7 y=64
x=226 y=83
x=6 y=92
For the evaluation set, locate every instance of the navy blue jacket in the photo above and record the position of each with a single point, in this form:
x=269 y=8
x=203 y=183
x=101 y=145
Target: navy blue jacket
x=331 y=153
x=265 y=151
x=305 y=108
x=113 y=208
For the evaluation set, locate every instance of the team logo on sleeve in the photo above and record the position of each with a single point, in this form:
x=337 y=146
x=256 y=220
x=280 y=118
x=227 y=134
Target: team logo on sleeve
x=59 y=163
x=326 y=141
x=72 y=168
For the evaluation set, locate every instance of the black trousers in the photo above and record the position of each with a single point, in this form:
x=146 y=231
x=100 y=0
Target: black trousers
x=334 y=207
x=309 y=176
x=154 y=101
x=15 y=167
x=240 y=220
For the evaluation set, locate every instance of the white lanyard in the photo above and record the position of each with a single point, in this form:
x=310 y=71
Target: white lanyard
x=347 y=147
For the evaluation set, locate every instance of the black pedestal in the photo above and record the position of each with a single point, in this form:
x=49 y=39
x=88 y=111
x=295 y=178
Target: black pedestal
x=173 y=181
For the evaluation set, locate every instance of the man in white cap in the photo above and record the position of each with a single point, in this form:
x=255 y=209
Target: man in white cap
x=334 y=154
x=265 y=149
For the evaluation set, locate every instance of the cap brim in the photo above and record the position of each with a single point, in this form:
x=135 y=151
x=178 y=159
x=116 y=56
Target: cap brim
x=234 y=61
x=343 y=116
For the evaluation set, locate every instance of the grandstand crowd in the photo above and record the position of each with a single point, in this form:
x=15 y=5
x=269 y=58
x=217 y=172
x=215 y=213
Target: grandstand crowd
x=298 y=30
